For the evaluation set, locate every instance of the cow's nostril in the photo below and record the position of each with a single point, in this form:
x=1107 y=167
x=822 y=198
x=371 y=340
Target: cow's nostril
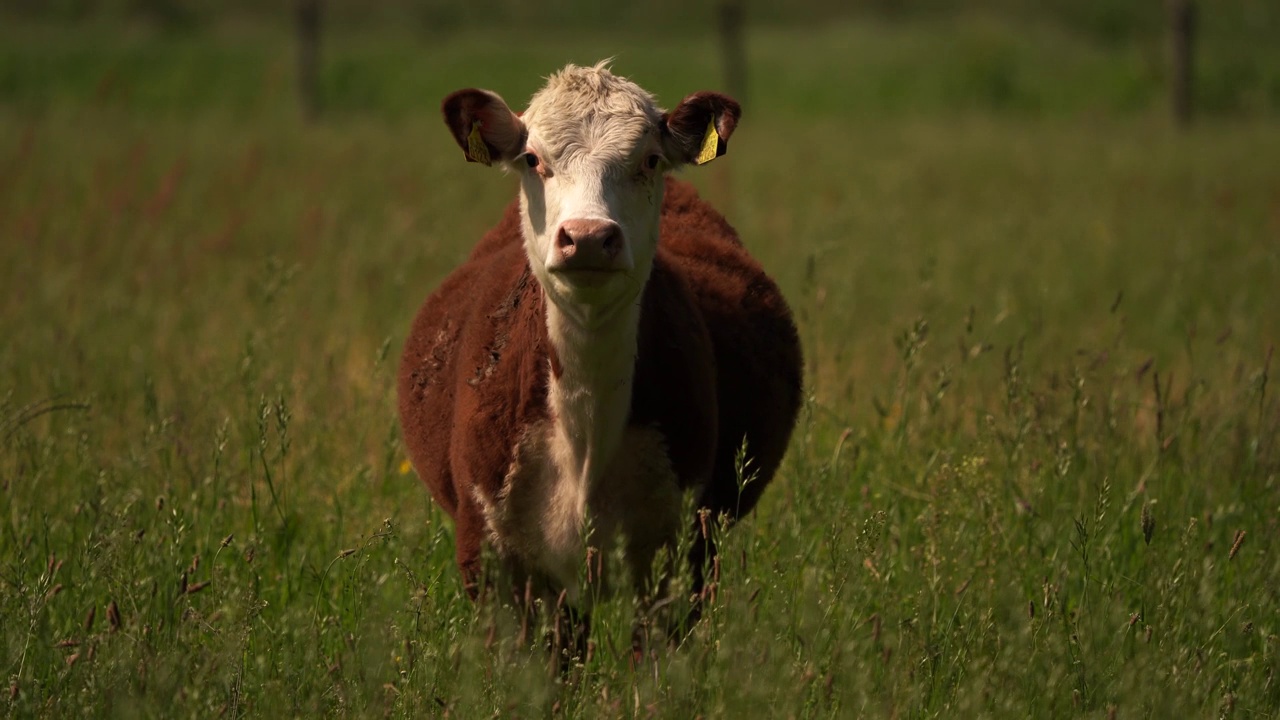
x=612 y=242
x=564 y=241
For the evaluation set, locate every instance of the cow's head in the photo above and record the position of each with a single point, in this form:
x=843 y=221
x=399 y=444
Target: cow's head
x=591 y=151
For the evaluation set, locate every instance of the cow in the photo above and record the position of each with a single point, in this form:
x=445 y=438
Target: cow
x=607 y=350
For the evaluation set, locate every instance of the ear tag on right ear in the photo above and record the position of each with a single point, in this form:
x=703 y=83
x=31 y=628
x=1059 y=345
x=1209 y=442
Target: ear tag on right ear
x=477 y=151
x=710 y=145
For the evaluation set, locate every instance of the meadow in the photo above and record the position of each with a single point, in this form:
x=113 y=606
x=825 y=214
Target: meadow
x=1037 y=473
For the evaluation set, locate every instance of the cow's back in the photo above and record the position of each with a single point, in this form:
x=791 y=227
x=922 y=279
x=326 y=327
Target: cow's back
x=501 y=236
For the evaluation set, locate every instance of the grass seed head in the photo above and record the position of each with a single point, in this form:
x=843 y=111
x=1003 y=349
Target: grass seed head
x=1235 y=546
x=1148 y=523
x=113 y=616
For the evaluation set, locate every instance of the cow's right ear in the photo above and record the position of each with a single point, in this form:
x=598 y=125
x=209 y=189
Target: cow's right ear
x=483 y=126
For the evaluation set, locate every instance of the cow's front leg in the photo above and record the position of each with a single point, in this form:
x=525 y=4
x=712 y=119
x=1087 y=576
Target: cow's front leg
x=469 y=535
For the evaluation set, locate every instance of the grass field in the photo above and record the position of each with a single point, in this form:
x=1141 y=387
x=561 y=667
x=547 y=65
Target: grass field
x=1037 y=474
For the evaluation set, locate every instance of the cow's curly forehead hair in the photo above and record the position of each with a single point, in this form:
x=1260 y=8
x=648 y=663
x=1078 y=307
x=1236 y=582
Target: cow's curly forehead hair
x=591 y=110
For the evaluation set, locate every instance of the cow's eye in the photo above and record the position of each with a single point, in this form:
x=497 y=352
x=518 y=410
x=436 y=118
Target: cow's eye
x=652 y=161
x=531 y=160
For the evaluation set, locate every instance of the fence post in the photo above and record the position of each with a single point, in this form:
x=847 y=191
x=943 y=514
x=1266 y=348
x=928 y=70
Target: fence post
x=1182 y=22
x=734 y=59
x=733 y=48
x=307 y=20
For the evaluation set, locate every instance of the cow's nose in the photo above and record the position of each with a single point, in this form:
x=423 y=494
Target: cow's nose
x=589 y=243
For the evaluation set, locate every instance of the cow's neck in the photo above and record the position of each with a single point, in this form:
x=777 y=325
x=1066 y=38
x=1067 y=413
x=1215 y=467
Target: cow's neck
x=590 y=388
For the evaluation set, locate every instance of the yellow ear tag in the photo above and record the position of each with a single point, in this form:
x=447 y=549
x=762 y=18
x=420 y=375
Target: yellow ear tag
x=710 y=145
x=477 y=151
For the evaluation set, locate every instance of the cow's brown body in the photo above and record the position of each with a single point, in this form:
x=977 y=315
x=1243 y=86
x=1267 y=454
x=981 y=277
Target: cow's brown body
x=718 y=363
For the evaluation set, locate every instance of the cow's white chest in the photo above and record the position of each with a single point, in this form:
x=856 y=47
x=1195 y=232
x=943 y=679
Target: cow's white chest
x=547 y=516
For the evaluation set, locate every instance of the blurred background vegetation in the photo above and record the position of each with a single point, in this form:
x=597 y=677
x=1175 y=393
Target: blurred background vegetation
x=888 y=56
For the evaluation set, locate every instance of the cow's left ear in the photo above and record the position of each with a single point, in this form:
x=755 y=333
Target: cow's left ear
x=698 y=129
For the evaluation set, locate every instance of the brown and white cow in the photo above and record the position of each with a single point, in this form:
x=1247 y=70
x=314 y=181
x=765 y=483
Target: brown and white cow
x=607 y=348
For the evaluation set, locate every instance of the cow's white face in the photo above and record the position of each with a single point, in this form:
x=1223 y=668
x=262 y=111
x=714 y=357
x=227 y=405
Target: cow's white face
x=591 y=151
x=591 y=188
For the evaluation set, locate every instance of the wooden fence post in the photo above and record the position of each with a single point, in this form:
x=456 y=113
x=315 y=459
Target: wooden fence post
x=733 y=48
x=734 y=59
x=307 y=20
x=1182 y=25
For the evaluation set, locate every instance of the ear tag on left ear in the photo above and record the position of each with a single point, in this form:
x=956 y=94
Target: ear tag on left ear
x=710 y=145
x=477 y=151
